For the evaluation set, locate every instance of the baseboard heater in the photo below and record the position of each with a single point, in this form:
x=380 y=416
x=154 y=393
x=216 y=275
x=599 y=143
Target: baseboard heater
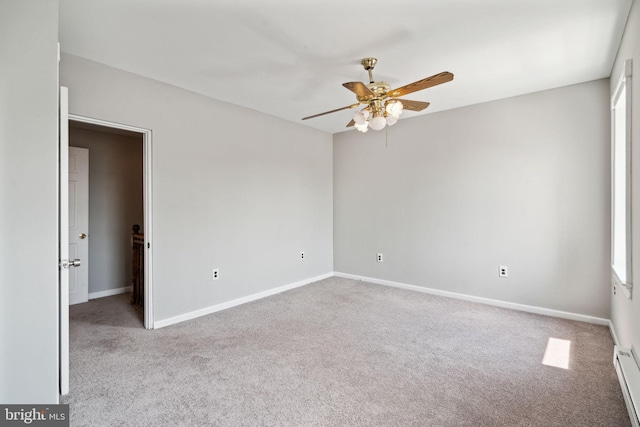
x=628 y=372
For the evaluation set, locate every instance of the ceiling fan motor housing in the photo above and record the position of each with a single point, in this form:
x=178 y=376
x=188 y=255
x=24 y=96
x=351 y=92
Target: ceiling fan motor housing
x=379 y=88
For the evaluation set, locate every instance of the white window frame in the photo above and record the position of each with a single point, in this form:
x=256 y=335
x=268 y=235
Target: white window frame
x=621 y=271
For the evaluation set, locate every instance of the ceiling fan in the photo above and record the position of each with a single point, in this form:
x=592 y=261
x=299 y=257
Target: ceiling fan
x=382 y=106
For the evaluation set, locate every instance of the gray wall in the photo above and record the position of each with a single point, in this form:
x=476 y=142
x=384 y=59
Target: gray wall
x=521 y=182
x=115 y=204
x=232 y=188
x=625 y=314
x=28 y=202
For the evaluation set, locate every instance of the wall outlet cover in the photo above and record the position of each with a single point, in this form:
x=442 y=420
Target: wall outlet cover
x=503 y=271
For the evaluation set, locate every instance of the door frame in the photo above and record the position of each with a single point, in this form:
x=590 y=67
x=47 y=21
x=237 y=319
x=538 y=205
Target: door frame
x=147 y=194
x=63 y=241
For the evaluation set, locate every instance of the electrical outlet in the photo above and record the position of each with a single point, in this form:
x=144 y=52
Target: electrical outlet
x=380 y=258
x=503 y=271
x=216 y=274
x=302 y=255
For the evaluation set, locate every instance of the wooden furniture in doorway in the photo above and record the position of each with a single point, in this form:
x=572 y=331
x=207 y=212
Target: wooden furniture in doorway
x=137 y=268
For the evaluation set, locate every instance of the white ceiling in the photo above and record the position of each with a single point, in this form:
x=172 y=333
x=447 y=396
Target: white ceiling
x=289 y=58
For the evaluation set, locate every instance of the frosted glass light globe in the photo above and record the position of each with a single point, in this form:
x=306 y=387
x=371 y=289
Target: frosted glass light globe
x=377 y=123
x=394 y=108
x=391 y=120
x=362 y=128
x=359 y=118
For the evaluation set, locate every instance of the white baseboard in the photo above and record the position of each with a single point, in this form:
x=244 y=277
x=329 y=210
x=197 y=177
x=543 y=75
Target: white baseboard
x=612 y=329
x=481 y=300
x=223 y=306
x=488 y=301
x=109 y=292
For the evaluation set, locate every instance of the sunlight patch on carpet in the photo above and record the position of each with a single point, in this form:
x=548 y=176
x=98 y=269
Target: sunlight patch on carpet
x=557 y=353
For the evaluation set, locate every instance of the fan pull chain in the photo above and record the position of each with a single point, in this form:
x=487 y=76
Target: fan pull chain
x=386 y=137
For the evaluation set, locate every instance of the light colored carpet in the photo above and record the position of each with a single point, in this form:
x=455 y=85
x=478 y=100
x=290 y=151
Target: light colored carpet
x=339 y=353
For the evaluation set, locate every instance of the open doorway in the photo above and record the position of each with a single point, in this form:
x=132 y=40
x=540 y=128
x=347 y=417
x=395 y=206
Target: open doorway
x=119 y=198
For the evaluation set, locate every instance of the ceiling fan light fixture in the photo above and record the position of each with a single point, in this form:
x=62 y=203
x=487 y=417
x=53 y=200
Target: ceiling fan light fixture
x=383 y=108
x=394 y=108
x=363 y=127
x=360 y=117
x=377 y=123
x=391 y=120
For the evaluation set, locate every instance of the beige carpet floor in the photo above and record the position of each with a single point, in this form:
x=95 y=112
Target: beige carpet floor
x=339 y=353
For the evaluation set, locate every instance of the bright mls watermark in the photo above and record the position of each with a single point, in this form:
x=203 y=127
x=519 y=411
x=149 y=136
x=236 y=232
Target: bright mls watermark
x=34 y=415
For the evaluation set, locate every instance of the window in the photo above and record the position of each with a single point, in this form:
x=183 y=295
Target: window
x=620 y=182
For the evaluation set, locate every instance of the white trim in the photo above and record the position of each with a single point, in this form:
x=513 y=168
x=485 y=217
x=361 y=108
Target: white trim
x=504 y=304
x=236 y=302
x=105 y=123
x=625 y=280
x=147 y=191
x=612 y=329
x=627 y=288
x=63 y=241
x=488 y=301
x=147 y=195
x=110 y=292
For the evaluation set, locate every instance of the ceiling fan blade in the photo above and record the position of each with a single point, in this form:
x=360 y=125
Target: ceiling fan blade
x=332 y=111
x=413 y=105
x=360 y=89
x=421 y=84
x=351 y=123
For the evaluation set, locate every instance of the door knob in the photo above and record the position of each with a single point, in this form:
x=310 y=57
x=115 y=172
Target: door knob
x=82 y=236
x=68 y=263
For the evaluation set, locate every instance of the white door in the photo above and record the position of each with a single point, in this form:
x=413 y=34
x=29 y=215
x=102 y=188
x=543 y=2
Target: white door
x=63 y=219
x=79 y=224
